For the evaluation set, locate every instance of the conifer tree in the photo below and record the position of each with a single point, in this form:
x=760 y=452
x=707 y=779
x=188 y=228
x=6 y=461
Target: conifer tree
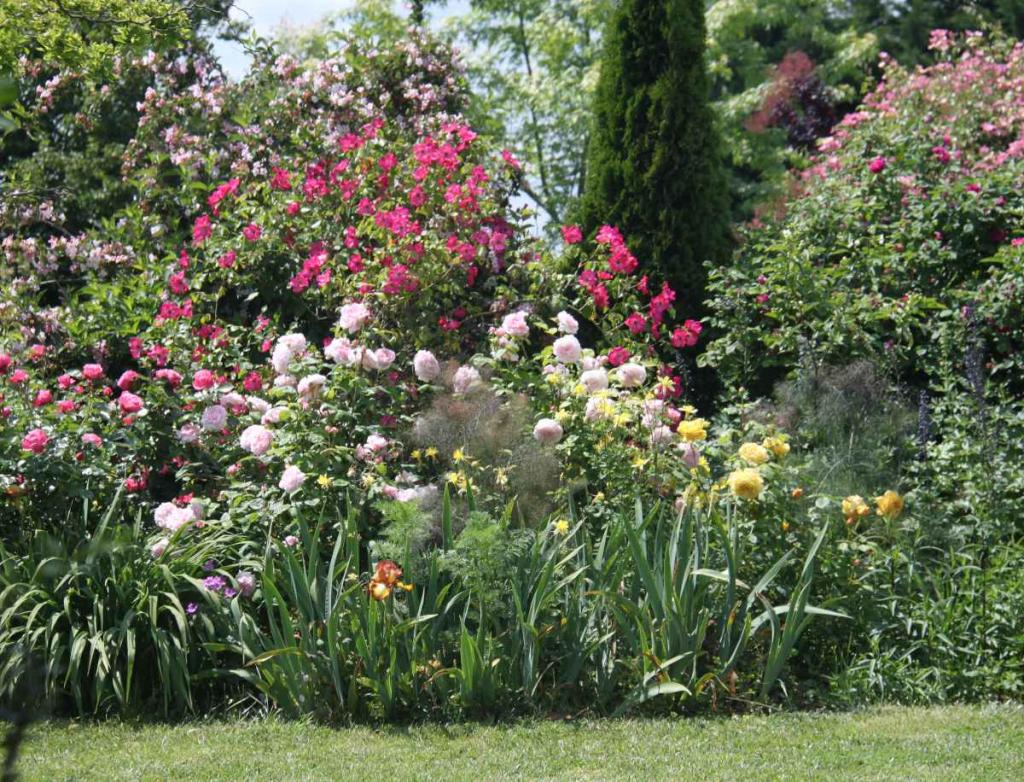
x=653 y=162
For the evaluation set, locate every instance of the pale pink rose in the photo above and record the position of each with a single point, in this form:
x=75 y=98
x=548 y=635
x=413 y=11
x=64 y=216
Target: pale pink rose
x=389 y=491
x=547 y=431
x=372 y=447
x=631 y=375
x=189 y=433
x=158 y=548
x=170 y=517
x=567 y=349
x=285 y=381
x=294 y=342
x=661 y=435
x=291 y=541
x=273 y=415
x=339 y=351
x=292 y=479
x=311 y=385
x=567 y=323
x=257 y=404
x=281 y=358
x=597 y=409
x=92 y=439
x=594 y=380
x=233 y=400
x=215 y=418
x=379 y=359
x=353 y=317
x=516 y=325
x=426 y=366
x=256 y=439
x=690 y=454
x=246 y=583
x=464 y=379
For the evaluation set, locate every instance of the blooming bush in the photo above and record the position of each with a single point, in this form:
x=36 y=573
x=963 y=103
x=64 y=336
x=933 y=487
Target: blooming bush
x=904 y=231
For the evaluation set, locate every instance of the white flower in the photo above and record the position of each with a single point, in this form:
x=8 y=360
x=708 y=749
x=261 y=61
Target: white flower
x=567 y=349
x=567 y=323
x=547 y=431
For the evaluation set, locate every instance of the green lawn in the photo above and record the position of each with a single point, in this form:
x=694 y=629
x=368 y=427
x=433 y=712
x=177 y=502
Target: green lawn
x=952 y=743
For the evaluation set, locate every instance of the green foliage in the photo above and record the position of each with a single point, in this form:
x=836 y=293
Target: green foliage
x=653 y=165
x=88 y=35
x=104 y=620
x=533 y=66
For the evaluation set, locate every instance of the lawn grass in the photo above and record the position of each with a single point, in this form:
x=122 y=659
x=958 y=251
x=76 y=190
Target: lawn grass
x=948 y=743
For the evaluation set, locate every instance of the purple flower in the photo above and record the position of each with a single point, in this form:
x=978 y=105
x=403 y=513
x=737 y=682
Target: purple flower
x=209 y=565
x=214 y=583
x=191 y=608
x=229 y=592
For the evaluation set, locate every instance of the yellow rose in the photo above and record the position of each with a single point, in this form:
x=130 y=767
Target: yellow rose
x=746 y=483
x=752 y=453
x=855 y=508
x=776 y=445
x=889 y=505
x=693 y=429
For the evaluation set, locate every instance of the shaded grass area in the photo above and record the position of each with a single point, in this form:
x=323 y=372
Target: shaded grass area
x=947 y=743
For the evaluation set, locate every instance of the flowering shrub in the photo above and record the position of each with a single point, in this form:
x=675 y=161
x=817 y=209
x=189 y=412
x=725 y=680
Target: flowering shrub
x=905 y=224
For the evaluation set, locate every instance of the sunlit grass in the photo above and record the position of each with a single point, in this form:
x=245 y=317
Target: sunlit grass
x=949 y=743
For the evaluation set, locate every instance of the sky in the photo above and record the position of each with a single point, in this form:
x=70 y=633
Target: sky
x=267 y=15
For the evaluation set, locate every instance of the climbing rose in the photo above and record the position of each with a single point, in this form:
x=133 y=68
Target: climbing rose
x=567 y=323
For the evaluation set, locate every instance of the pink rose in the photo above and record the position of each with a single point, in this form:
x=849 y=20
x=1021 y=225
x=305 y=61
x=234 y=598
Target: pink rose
x=203 y=379
x=92 y=439
x=92 y=371
x=127 y=380
x=129 y=402
x=35 y=441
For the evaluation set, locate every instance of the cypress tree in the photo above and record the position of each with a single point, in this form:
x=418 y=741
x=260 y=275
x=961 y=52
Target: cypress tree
x=653 y=158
